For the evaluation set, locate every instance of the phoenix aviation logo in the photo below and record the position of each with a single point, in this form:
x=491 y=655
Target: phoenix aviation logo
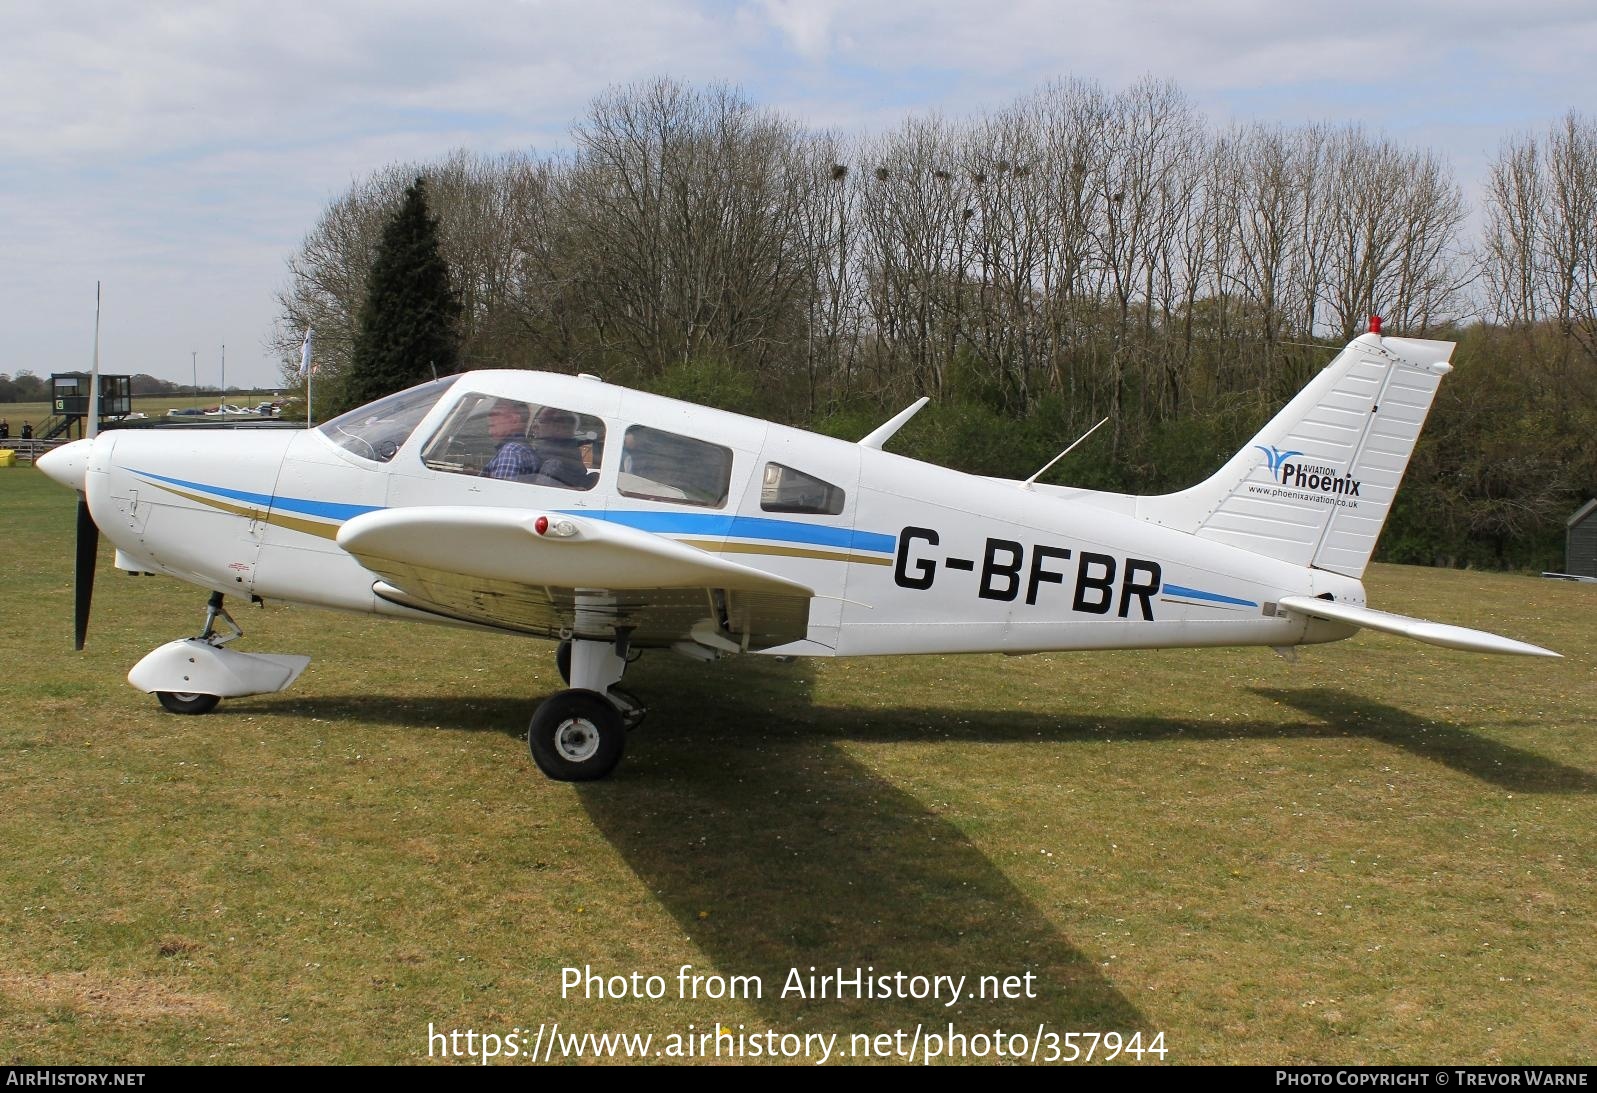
x=1306 y=476
x=1276 y=458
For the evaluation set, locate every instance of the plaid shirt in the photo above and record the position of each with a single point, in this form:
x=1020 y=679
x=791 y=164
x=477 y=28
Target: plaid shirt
x=514 y=459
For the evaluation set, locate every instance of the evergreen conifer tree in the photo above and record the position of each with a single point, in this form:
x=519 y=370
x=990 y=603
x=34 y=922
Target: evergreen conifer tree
x=410 y=324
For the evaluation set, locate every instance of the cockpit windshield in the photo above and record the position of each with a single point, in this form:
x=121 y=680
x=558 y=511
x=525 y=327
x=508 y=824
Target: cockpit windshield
x=377 y=430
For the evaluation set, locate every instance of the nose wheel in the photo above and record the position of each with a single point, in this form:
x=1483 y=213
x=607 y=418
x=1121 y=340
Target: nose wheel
x=188 y=702
x=196 y=702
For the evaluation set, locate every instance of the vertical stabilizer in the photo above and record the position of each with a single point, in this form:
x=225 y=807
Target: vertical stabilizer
x=1315 y=485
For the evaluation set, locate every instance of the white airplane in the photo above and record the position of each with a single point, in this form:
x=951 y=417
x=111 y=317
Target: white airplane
x=616 y=521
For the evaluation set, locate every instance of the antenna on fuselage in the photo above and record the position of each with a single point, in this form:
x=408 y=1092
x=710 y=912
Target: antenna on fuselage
x=884 y=432
x=1026 y=485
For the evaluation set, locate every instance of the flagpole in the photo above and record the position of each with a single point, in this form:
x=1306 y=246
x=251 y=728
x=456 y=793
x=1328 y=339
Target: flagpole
x=94 y=375
x=305 y=370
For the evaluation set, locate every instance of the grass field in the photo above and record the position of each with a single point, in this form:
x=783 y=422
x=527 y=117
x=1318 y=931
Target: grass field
x=1381 y=854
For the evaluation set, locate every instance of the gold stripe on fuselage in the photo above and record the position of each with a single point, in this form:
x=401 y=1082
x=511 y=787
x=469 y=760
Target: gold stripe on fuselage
x=254 y=512
x=716 y=547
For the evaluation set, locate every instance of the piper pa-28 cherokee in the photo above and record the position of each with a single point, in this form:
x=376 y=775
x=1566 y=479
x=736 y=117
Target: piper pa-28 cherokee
x=615 y=521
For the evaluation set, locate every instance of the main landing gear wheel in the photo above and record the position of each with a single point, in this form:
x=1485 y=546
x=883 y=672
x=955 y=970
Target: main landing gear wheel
x=576 y=736
x=187 y=702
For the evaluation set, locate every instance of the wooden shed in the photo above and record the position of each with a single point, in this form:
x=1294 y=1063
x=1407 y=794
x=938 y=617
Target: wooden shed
x=1580 y=542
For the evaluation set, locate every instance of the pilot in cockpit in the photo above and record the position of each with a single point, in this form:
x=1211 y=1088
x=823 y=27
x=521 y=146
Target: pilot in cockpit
x=513 y=457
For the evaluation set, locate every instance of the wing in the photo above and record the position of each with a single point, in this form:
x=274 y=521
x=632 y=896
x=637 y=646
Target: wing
x=577 y=575
x=1434 y=633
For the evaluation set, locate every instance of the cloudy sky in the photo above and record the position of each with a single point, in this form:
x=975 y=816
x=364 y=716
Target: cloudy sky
x=179 y=152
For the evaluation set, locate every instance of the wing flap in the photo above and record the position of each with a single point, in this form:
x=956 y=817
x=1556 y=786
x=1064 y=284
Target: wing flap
x=1433 y=633
x=505 y=545
x=492 y=566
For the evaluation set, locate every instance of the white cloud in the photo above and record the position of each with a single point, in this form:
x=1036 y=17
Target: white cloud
x=805 y=23
x=181 y=151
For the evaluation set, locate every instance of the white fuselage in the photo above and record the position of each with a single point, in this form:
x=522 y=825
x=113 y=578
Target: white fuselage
x=920 y=559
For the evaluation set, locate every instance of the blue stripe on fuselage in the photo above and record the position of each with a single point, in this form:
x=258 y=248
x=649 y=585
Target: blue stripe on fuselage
x=743 y=527
x=327 y=510
x=660 y=523
x=1199 y=594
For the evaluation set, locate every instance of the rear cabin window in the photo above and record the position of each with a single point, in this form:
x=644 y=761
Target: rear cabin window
x=661 y=466
x=490 y=437
x=787 y=490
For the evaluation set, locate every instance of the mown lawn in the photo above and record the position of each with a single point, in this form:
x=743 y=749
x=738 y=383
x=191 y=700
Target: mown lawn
x=1382 y=853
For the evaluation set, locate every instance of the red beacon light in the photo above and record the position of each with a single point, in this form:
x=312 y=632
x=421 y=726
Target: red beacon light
x=561 y=529
x=1375 y=325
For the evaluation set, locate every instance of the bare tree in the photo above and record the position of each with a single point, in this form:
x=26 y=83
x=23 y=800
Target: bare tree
x=685 y=206
x=916 y=207
x=826 y=244
x=1394 y=217
x=1143 y=186
x=1515 y=197
x=1570 y=228
x=1074 y=118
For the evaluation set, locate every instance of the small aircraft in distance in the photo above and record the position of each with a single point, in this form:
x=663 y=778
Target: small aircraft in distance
x=615 y=521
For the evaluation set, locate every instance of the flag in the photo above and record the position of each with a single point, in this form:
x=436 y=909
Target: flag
x=305 y=354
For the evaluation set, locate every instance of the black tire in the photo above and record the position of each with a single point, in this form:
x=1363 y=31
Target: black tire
x=576 y=736
x=563 y=661
x=187 y=702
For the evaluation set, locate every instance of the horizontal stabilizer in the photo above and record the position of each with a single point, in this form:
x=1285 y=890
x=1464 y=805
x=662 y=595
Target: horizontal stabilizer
x=1433 y=633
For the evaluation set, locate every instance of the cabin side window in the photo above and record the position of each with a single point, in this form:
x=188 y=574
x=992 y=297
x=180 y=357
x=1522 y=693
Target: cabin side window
x=491 y=437
x=661 y=466
x=785 y=489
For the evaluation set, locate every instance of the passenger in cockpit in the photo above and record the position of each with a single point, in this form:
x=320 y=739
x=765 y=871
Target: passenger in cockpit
x=554 y=437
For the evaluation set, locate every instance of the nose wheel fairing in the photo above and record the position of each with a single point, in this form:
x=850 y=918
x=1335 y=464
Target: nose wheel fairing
x=192 y=666
x=191 y=675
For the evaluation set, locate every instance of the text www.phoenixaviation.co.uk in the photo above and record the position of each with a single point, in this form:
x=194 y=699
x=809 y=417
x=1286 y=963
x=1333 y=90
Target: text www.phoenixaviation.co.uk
x=548 y=1043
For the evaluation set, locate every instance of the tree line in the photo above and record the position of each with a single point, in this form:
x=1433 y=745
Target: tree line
x=1079 y=253
x=27 y=387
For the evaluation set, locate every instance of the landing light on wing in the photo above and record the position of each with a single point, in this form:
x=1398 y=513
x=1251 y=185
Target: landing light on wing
x=563 y=529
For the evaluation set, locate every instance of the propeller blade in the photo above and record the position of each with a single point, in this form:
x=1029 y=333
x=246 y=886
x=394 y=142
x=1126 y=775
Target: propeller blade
x=88 y=552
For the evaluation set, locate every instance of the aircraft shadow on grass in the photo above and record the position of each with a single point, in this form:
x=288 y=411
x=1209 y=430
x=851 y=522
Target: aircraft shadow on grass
x=1451 y=744
x=1329 y=712
x=804 y=857
x=775 y=850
